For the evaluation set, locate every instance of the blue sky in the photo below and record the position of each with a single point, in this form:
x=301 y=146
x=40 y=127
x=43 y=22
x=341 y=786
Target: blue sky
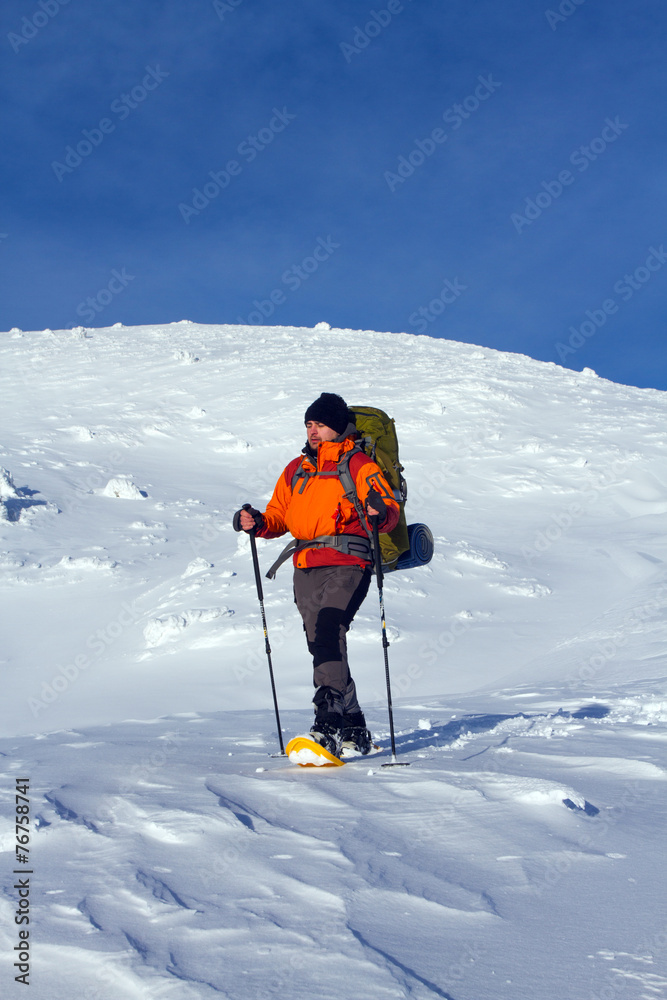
x=485 y=172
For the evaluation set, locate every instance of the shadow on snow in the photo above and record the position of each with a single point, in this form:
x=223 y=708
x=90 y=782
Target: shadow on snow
x=441 y=736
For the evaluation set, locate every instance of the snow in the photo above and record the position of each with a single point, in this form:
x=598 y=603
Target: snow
x=172 y=854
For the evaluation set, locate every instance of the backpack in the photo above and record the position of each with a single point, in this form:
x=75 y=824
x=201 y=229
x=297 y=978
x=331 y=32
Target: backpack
x=378 y=439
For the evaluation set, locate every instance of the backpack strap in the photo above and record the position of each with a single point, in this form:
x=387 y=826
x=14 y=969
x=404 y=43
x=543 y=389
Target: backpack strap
x=353 y=545
x=350 y=488
x=301 y=473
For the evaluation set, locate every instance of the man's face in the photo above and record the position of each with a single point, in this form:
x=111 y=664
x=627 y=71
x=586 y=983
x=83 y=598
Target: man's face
x=319 y=432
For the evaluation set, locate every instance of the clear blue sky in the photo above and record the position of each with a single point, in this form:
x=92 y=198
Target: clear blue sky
x=486 y=172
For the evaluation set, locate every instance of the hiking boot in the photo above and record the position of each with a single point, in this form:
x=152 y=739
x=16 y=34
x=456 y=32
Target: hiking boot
x=356 y=738
x=328 y=732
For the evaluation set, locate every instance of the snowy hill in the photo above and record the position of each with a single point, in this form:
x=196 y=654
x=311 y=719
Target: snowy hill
x=173 y=857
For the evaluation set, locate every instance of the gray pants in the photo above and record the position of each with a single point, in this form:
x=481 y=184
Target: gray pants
x=328 y=598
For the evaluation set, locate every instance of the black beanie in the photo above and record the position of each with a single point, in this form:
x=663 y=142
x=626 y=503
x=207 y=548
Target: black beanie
x=331 y=410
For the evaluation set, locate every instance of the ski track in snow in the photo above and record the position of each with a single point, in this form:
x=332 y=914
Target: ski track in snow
x=518 y=856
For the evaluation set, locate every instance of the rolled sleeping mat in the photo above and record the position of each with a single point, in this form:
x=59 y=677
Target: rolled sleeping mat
x=421 y=547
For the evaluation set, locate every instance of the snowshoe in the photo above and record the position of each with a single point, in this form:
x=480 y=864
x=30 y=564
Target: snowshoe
x=356 y=738
x=308 y=752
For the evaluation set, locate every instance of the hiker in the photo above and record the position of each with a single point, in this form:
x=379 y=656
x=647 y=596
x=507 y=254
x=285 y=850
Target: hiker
x=332 y=557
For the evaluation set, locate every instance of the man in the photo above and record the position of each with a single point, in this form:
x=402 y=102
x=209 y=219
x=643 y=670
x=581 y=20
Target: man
x=332 y=556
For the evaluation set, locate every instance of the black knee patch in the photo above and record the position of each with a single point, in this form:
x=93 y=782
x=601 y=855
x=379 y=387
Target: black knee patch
x=326 y=644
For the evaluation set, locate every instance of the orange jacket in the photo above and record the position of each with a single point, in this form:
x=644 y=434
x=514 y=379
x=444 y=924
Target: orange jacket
x=318 y=505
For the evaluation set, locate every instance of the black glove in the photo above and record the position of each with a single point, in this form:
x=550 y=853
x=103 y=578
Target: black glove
x=255 y=514
x=375 y=501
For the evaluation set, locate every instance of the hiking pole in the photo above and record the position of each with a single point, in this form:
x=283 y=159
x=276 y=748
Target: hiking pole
x=260 y=595
x=374 y=519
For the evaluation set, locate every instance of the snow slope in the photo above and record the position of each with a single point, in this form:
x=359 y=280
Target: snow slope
x=519 y=855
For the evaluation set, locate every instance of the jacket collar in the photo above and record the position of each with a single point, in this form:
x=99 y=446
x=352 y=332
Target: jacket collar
x=331 y=451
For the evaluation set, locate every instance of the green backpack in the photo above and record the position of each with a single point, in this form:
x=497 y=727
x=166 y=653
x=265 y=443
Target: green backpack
x=378 y=439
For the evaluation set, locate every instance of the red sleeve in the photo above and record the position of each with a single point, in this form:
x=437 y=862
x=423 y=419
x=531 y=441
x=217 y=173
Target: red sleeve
x=368 y=476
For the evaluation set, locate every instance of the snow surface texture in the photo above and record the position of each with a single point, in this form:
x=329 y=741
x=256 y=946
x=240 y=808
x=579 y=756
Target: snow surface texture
x=520 y=855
